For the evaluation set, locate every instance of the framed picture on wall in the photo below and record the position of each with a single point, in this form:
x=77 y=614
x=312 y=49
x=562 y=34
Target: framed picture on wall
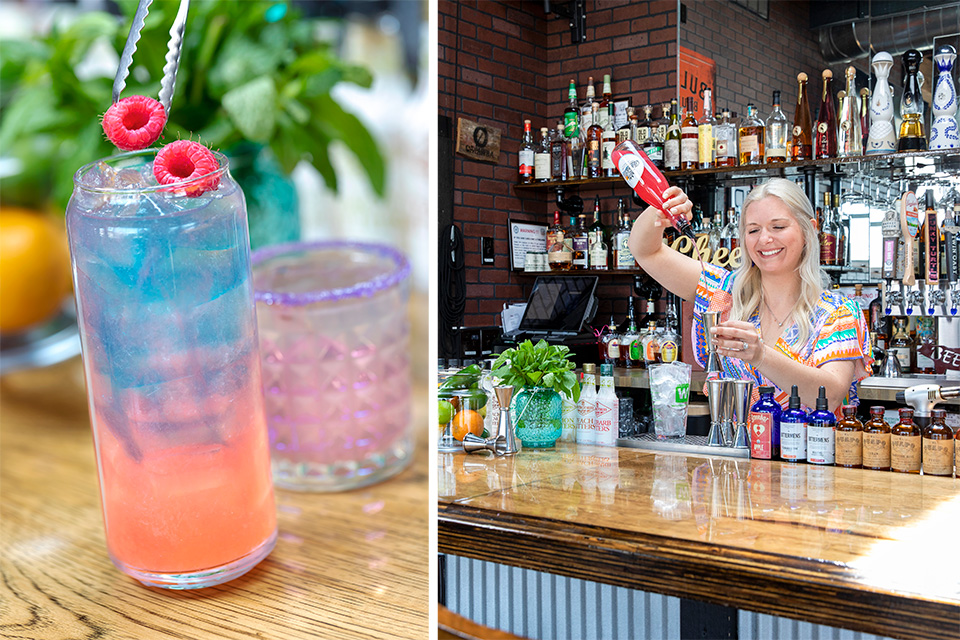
x=524 y=237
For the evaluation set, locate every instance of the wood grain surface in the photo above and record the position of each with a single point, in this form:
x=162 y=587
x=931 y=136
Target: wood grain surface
x=862 y=550
x=347 y=565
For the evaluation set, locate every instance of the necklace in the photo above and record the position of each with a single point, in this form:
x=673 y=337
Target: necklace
x=779 y=322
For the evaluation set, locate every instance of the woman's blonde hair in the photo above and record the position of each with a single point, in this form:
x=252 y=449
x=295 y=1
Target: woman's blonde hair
x=747 y=292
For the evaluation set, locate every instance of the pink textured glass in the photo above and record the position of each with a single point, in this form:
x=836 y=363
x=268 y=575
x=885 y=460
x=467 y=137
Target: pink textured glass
x=336 y=370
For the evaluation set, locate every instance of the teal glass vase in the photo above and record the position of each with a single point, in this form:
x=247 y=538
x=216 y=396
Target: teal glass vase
x=536 y=414
x=272 y=207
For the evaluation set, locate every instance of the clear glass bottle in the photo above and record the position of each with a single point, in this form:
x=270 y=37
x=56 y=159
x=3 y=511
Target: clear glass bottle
x=750 y=138
x=705 y=145
x=586 y=110
x=671 y=143
x=541 y=158
x=658 y=137
x=829 y=232
x=776 y=130
x=725 y=141
x=559 y=255
x=608 y=140
x=876 y=441
x=605 y=101
x=644 y=125
x=901 y=346
x=628 y=354
x=607 y=416
x=599 y=253
x=581 y=243
x=713 y=233
x=525 y=169
x=801 y=144
x=937 y=446
x=849 y=439
x=730 y=233
x=610 y=343
x=905 y=444
x=670 y=337
x=624 y=259
x=628 y=130
x=689 y=138
x=559 y=150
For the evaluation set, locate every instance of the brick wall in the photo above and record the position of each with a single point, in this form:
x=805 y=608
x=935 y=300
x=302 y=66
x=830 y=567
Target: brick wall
x=501 y=61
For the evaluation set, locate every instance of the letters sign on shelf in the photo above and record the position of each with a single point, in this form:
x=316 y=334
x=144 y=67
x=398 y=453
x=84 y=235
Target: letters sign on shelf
x=478 y=141
x=943 y=357
x=696 y=75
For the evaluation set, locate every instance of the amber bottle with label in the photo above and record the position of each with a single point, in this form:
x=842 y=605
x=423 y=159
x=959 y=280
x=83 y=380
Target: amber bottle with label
x=905 y=446
x=876 y=441
x=938 y=446
x=849 y=439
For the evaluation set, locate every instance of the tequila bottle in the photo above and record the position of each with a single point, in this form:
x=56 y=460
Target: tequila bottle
x=825 y=143
x=882 y=138
x=801 y=145
x=849 y=135
x=776 y=130
x=911 y=105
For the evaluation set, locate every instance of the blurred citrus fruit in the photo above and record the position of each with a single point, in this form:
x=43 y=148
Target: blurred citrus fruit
x=466 y=421
x=34 y=268
x=444 y=411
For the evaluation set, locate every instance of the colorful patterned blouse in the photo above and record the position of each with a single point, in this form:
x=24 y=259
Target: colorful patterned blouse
x=839 y=332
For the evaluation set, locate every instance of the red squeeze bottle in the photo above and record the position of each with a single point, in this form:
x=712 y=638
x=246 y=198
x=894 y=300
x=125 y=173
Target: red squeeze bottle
x=646 y=180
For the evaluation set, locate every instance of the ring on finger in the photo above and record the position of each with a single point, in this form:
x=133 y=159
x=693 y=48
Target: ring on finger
x=743 y=345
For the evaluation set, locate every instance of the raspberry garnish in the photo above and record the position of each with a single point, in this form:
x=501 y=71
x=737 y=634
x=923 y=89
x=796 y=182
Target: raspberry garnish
x=185 y=160
x=134 y=123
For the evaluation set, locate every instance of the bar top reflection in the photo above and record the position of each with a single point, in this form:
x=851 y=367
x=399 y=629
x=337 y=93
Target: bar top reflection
x=825 y=544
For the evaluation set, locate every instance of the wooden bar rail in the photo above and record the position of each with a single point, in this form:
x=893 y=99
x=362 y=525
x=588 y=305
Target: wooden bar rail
x=346 y=565
x=863 y=550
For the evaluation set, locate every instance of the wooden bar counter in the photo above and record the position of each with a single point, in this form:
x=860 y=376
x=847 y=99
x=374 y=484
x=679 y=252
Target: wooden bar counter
x=863 y=550
x=346 y=565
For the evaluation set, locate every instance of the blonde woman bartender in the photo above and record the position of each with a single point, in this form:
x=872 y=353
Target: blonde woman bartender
x=780 y=325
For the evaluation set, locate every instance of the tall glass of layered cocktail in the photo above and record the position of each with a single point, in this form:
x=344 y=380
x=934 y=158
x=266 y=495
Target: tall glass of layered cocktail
x=169 y=338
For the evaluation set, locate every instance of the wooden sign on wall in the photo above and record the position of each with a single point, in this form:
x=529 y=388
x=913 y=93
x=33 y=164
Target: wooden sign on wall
x=478 y=141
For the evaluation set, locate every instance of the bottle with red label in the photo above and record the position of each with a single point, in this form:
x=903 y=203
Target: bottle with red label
x=607 y=420
x=763 y=425
x=525 y=169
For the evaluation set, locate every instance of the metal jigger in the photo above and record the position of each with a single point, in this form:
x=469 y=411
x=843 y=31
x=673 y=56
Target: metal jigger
x=741 y=390
x=718 y=389
x=710 y=320
x=504 y=443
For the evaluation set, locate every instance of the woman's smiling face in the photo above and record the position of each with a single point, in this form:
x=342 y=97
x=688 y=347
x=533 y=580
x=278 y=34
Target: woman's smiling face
x=773 y=238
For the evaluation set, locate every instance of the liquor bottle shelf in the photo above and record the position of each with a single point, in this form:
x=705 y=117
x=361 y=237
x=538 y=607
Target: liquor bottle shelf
x=897 y=163
x=582 y=272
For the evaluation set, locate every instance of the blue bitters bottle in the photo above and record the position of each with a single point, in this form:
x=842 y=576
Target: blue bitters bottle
x=793 y=430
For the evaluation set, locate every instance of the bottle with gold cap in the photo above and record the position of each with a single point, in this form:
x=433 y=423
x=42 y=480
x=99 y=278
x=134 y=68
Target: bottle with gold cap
x=849 y=137
x=801 y=144
x=825 y=143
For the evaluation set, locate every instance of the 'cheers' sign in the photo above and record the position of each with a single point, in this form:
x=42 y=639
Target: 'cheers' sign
x=722 y=257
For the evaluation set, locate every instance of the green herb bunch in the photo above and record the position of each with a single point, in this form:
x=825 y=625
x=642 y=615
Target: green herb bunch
x=540 y=365
x=250 y=72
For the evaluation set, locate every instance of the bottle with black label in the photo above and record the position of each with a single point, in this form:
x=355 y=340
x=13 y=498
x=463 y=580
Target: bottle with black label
x=793 y=430
x=821 y=448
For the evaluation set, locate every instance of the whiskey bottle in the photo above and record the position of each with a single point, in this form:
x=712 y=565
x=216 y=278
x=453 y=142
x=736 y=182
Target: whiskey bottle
x=776 y=129
x=606 y=116
x=705 y=148
x=905 y=445
x=876 y=441
x=911 y=105
x=525 y=174
x=608 y=140
x=571 y=115
x=610 y=344
x=628 y=130
x=596 y=240
x=750 y=138
x=670 y=338
x=849 y=437
x=801 y=145
x=900 y=345
x=829 y=230
x=938 y=446
x=541 y=158
x=671 y=144
x=825 y=143
x=581 y=243
x=586 y=110
x=643 y=133
x=554 y=232
x=593 y=151
x=559 y=256
x=725 y=143
x=651 y=345
x=849 y=136
x=689 y=139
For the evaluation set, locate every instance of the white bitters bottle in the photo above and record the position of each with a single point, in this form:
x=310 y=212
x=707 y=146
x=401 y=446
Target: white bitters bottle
x=607 y=413
x=587 y=406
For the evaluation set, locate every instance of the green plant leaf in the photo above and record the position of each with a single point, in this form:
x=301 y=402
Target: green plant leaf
x=253 y=108
x=330 y=118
